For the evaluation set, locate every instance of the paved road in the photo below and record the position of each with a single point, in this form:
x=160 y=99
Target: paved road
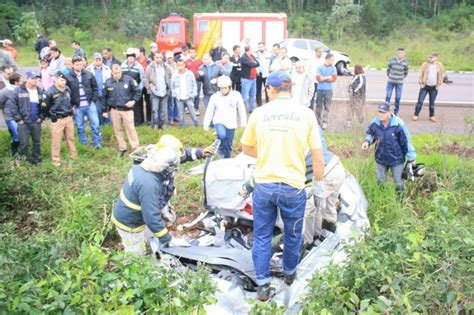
x=460 y=91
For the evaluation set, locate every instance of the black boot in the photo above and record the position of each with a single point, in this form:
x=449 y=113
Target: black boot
x=14 y=147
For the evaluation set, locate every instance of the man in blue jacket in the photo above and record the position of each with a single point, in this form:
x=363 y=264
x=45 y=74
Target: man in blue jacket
x=140 y=211
x=392 y=144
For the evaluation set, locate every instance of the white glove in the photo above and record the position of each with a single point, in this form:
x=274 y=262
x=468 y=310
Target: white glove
x=178 y=242
x=319 y=194
x=168 y=214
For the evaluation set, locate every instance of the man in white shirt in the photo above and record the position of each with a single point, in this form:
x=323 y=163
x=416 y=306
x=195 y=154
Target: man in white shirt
x=184 y=89
x=222 y=112
x=263 y=59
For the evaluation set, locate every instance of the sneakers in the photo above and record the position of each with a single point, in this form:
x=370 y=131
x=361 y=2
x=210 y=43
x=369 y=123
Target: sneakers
x=197 y=113
x=288 y=279
x=325 y=126
x=433 y=119
x=265 y=292
x=414 y=118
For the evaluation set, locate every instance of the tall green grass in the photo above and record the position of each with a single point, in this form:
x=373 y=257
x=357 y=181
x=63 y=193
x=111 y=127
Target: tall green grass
x=57 y=244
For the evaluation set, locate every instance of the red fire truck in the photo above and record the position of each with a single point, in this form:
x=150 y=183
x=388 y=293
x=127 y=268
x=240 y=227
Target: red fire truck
x=233 y=28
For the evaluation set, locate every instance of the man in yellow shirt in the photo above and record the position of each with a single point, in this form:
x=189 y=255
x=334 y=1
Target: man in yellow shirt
x=278 y=135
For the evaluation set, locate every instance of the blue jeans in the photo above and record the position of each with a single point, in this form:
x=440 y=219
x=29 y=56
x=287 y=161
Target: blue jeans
x=196 y=98
x=172 y=109
x=13 y=130
x=206 y=99
x=226 y=136
x=397 y=170
x=398 y=95
x=433 y=92
x=99 y=104
x=267 y=198
x=91 y=112
x=189 y=103
x=249 y=91
x=158 y=105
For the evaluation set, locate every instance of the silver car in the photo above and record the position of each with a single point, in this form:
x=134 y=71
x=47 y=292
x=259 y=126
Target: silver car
x=303 y=49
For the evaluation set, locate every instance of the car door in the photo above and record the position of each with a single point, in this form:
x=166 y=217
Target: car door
x=300 y=50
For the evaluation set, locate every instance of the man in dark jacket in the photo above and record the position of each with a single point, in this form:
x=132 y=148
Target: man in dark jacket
x=26 y=112
x=41 y=43
x=84 y=93
x=392 y=144
x=142 y=208
x=249 y=78
x=108 y=57
x=208 y=74
x=218 y=51
x=236 y=68
x=56 y=104
x=133 y=69
x=121 y=94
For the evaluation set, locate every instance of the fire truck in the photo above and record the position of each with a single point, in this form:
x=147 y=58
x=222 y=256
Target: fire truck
x=233 y=28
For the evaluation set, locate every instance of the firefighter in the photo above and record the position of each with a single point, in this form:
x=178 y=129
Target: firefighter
x=142 y=209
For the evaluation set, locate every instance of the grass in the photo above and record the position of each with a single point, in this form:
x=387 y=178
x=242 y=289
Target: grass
x=57 y=244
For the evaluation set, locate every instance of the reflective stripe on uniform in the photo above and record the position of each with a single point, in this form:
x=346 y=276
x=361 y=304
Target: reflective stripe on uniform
x=127 y=228
x=161 y=233
x=128 y=203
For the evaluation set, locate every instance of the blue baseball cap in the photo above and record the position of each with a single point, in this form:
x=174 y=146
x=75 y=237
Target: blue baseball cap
x=279 y=78
x=384 y=107
x=31 y=74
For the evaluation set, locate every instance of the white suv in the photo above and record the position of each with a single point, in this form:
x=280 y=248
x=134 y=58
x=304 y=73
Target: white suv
x=303 y=49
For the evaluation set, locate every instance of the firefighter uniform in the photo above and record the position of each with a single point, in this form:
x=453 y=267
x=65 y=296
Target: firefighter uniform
x=57 y=105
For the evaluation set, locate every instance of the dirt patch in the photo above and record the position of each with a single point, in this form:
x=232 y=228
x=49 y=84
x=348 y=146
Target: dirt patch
x=457 y=149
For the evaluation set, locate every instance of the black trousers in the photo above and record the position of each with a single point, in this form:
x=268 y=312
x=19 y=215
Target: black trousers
x=147 y=105
x=25 y=132
x=138 y=117
x=261 y=82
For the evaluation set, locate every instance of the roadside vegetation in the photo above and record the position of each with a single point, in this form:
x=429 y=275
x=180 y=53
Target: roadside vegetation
x=369 y=31
x=58 y=247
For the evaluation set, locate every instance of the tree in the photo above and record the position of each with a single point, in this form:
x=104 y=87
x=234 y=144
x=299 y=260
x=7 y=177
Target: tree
x=28 y=27
x=344 y=15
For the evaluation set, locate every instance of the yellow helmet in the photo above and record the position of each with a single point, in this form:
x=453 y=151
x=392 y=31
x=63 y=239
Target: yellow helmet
x=169 y=141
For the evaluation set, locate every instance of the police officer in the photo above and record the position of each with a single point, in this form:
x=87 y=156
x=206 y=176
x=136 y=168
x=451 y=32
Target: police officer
x=135 y=70
x=121 y=94
x=142 y=208
x=57 y=105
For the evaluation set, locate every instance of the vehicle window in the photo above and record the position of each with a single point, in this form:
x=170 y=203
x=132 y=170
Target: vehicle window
x=300 y=44
x=313 y=44
x=203 y=26
x=170 y=28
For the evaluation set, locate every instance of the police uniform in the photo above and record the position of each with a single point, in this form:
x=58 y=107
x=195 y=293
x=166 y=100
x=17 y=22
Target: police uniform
x=116 y=94
x=57 y=105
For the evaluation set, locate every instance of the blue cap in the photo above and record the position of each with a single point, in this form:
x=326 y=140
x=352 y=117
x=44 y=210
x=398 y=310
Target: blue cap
x=384 y=107
x=31 y=74
x=279 y=78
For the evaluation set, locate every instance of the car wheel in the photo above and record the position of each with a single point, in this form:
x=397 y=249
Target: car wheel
x=340 y=66
x=294 y=59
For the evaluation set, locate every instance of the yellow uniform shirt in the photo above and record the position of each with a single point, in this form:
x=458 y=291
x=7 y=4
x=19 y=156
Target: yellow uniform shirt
x=282 y=132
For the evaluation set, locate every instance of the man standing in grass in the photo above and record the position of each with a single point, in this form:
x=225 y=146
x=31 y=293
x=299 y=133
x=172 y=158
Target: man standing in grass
x=392 y=144
x=57 y=105
x=278 y=135
x=397 y=70
x=326 y=75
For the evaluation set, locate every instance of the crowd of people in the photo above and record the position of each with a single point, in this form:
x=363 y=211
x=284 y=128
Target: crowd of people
x=284 y=131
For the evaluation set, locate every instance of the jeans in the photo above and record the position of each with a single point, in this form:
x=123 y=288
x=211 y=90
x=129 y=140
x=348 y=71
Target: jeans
x=13 y=130
x=433 y=92
x=226 y=136
x=34 y=131
x=158 y=105
x=189 y=103
x=249 y=91
x=172 y=109
x=397 y=170
x=206 y=99
x=100 y=106
x=323 y=105
x=398 y=94
x=267 y=199
x=261 y=82
x=91 y=112
x=196 y=98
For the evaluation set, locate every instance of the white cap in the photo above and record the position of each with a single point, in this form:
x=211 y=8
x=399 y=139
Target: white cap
x=169 y=54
